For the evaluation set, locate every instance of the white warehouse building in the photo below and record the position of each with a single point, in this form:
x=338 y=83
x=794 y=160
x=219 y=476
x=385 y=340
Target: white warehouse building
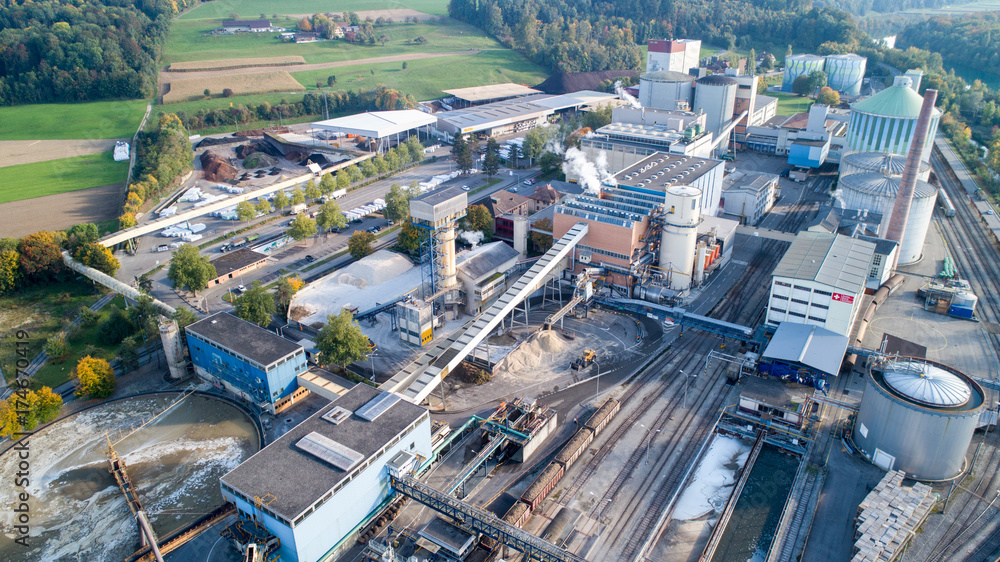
x=314 y=486
x=820 y=281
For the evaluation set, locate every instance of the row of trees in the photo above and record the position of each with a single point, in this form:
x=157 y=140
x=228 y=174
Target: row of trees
x=956 y=38
x=36 y=259
x=162 y=157
x=81 y=51
x=379 y=98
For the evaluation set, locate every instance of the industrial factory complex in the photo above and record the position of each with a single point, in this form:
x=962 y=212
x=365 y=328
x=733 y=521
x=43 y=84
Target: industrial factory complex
x=719 y=334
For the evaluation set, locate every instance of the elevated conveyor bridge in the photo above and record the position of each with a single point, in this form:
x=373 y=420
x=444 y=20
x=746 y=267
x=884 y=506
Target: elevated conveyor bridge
x=682 y=317
x=420 y=378
x=481 y=521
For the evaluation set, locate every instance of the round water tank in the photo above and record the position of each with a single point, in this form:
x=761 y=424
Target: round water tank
x=799 y=65
x=682 y=204
x=877 y=193
x=918 y=416
x=887 y=121
x=715 y=95
x=845 y=72
x=886 y=164
x=663 y=89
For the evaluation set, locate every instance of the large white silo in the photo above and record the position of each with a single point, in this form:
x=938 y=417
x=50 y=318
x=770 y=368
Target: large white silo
x=845 y=73
x=682 y=204
x=887 y=164
x=715 y=95
x=666 y=89
x=876 y=192
x=887 y=121
x=800 y=65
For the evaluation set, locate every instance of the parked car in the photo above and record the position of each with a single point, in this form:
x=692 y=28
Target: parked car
x=529 y=181
x=310 y=258
x=239 y=290
x=465 y=188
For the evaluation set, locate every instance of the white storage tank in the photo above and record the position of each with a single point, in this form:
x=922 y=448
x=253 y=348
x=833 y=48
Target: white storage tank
x=666 y=89
x=887 y=121
x=715 y=95
x=886 y=164
x=682 y=204
x=800 y=65
x=918 y=416
x=877 y=193
x=844 y=73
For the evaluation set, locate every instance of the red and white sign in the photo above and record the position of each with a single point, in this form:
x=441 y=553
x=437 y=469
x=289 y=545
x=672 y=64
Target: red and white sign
x=843 y=298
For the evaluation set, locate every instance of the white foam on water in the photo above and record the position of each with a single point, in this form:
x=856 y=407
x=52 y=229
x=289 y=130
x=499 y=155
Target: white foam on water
x=713 y=479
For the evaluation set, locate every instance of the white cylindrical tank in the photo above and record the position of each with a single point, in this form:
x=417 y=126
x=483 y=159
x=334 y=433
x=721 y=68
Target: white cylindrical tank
x=682 y=204
x=844 y=73
x=663 y=89
x=715 y=95
x=172 y=348
x=887 y=164
x=798 y=65
x=877 y=193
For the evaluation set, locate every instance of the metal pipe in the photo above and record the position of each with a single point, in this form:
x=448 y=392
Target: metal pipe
x=908 y=183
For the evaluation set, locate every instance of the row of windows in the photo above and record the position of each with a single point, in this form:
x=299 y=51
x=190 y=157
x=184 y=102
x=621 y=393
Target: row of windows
x=622 y=257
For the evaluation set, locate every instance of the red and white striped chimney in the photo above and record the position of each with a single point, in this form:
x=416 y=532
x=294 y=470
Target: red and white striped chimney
x=908 y=184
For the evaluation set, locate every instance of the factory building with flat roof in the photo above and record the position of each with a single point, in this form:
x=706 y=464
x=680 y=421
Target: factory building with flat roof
x=820 y=281
x=748 y=195
x=246 y=360
x=656 y=173
x=316 y=485
x=516 y=114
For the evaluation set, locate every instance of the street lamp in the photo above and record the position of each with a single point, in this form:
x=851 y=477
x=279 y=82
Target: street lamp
x=687 y=381
x=649 y=437
x=371 y=356
x=598 y=393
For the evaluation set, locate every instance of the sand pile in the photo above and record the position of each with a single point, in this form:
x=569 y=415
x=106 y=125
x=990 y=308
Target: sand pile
x=374 y=269
x=531 y=353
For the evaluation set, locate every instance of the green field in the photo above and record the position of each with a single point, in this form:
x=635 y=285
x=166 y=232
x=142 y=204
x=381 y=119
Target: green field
x=427 y=77
x=27 y=181
x=251 y=9
x=790 y=104
x=95 y=120
x=188 y=41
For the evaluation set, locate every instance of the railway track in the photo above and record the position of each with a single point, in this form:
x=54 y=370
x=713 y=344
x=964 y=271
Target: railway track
x=979 y=261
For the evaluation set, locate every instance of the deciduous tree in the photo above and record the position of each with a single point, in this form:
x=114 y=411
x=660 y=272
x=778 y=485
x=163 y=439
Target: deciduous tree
x=409 y=238
x=360 y=244
x=828 y=96
x=10 y=271
x=302 y=227
x=97 y=378
x=255 y=305
x=397 y=203
x=330 y=216
x=312 y=191
x=341 y=341
x=245 y=211
x=99 y=257
x=40 y=256
x=188 y=268
x=264 y=207
x=281 y=200
x=479 y=218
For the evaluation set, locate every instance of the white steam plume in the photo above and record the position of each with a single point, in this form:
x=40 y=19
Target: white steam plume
x=602 y=168
x=626 y=96
x=589 y=173
x=471 y=237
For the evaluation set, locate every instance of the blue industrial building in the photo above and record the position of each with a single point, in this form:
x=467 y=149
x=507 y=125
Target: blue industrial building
x=245 y=359
x=313 y=488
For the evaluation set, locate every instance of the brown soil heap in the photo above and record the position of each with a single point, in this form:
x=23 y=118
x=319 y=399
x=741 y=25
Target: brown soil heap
x=216 y=168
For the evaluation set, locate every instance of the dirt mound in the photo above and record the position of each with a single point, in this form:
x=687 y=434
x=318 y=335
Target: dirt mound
x=260 y=132
x=259 y=160
x=530 y=354
x=314 y=159
x=216 y=168
x=245 y=150
x=569 y=82
x=217 y=141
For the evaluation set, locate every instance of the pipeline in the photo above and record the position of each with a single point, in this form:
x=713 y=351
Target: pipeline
x=881 y=294
x=114 y=284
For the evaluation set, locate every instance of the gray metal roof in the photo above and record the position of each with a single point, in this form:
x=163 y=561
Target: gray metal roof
x=881 y=185
x=295 y=478
x=832 y=259
x=809 y=345
x=926 y=384
x=483 y=260
x=244 y=338
x=889 y=164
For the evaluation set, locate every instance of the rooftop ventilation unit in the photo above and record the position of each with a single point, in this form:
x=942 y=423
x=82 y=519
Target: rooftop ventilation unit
x=337 y=415
x=326 y=449
x=377 y=406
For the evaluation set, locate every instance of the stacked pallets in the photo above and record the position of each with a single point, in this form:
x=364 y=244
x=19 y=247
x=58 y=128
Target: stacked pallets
x=888 y=517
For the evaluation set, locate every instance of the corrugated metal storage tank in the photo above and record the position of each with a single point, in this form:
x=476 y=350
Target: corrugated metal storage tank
x=664 y=88
x=877 y=193
x=798 y=65
x=887 y=164
x=716 y=96
x=680 y=234
x=918 y=416
x=887 y=121
x=844 y=73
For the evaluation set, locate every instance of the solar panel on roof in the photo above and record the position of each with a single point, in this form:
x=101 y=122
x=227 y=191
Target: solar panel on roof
x=330 y=451
x=377 y=406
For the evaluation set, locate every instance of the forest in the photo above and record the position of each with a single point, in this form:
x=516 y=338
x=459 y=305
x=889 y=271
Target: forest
x=86 y=50
x=956 y=38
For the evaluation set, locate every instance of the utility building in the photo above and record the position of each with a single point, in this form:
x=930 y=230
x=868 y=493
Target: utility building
x=316 y=485
x=820 y=281
x=245 y=359
x=749 y=195
x=680 y=55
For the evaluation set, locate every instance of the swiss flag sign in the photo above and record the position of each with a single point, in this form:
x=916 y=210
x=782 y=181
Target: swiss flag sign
x=843 y=298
